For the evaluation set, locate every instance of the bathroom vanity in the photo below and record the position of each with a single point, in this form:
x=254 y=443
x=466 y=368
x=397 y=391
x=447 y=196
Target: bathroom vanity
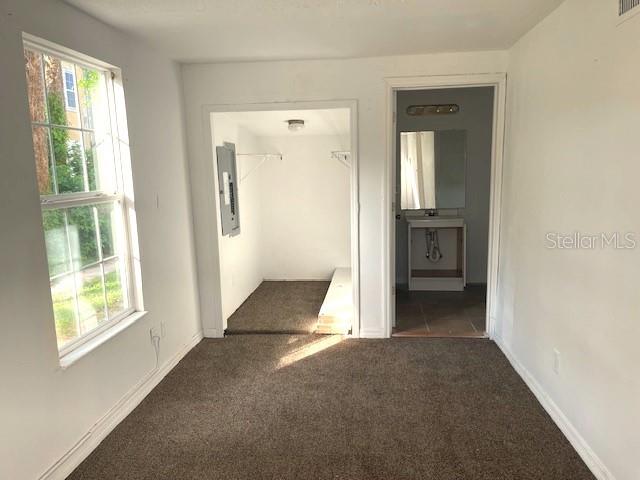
x=432 y=199
x=448 y=273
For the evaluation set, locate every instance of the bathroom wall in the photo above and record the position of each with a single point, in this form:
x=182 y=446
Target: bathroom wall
x=572 y=166
x=476 y=117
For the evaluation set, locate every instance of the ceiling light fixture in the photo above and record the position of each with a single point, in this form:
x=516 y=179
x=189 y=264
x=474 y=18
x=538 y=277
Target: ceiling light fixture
x=295 y=125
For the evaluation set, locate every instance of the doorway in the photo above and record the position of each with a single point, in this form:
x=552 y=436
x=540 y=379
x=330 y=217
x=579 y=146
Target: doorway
x=288 y=258
x=444 y=180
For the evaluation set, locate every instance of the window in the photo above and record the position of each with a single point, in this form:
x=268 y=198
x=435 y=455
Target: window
x=70 y=87
x=80 y=180
x=628 y=5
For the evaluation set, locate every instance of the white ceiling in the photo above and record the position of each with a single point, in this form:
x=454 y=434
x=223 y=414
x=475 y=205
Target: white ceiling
x=236 y=30
x=274 y=123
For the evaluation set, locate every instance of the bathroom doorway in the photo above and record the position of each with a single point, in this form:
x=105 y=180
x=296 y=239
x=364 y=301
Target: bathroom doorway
x=444 y=151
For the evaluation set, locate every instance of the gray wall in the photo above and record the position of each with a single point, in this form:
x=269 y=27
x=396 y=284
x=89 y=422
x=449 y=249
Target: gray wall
x=475 y=116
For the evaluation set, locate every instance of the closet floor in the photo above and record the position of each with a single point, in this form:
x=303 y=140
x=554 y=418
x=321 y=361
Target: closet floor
x=280 y=307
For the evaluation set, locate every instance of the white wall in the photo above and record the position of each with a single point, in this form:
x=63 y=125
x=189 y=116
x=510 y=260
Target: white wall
x=240 y=256
x=44 y=410
x=306 y=209
x=572 y=165
x=262 y=82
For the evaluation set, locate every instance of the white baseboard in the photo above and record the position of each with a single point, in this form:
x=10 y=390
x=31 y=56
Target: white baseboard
x=597 y=467
x=90 y=440
x=315 y=279
x=213 y=333
x=375 y=333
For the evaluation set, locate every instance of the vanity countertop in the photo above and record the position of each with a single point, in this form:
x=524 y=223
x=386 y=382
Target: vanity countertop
x=435 y=222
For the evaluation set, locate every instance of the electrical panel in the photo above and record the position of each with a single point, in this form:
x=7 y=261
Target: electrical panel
x=228 y=189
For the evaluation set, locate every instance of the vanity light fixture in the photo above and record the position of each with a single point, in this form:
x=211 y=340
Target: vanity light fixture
x=295 y=125
x=421 y=110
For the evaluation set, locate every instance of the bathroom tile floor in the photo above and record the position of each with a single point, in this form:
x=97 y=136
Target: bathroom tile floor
x=441 y=314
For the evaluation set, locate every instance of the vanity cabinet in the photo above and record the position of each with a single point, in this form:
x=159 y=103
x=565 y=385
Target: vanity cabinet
x=449 y=273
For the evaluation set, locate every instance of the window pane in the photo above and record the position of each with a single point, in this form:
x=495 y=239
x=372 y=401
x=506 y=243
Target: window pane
x=64 y=309
x=100 y=165
x=42 y=155
x=92 y=92
x=83 y=236
x=55 y=232
x=69 y=83
x=91 y=302
x=59 y=112
x=74 y=100
x=69 y=161
x=71 y=99
x=108 y=229
x=70 y=88
x=117 y=300
x=35 y=85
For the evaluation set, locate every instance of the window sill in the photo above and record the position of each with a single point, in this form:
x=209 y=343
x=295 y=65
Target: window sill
x=76 y=354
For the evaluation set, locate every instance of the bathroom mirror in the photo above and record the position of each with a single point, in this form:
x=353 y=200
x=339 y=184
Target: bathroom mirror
x=433 y=169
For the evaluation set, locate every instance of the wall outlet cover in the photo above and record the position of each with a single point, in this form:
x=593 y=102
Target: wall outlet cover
x=154 y=333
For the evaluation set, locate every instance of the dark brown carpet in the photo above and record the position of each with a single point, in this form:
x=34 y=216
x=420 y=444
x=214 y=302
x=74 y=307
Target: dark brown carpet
x=280 y=307
x=431 y=409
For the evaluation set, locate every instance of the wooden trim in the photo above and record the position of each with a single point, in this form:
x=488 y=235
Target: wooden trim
x=460 y=249
x=436 y=273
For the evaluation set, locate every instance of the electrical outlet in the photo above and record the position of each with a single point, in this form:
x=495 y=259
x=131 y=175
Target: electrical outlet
x=154 y=333
x=556 y=361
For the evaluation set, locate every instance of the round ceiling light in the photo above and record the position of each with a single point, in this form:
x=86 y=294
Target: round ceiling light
x=295 y=125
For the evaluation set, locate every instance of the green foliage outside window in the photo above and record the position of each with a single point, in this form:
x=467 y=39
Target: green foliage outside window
x=65 y=309
x=67 y=156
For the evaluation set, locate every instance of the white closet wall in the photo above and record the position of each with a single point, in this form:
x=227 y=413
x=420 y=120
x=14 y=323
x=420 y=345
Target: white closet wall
x=305 y=209
x=240 y=256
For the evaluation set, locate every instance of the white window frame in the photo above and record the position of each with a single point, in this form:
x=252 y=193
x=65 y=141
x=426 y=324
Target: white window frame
x=622 y=18
x=66 y=70
x=131 y=271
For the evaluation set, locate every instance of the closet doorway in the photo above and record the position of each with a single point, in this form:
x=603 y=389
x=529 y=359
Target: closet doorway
x=286 y=204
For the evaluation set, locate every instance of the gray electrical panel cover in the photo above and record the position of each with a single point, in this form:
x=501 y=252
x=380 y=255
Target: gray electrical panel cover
x=228 y=189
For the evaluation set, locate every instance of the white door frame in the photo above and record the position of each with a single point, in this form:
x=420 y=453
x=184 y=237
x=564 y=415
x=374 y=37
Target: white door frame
x=352 y=105
x=395 y=84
